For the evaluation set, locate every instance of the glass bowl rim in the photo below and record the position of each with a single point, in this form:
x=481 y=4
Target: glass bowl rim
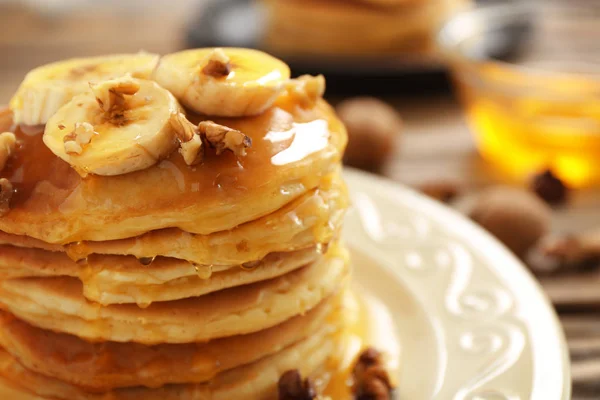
x=462 y=24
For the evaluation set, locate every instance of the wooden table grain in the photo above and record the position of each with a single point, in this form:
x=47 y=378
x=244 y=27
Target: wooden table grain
x=435 y=144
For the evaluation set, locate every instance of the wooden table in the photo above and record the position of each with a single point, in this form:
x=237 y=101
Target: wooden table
x=436 y=144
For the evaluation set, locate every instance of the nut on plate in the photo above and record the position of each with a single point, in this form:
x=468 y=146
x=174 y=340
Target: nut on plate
x=371 y=380
x=373 y=126
x=517 y=217
x=291 y=386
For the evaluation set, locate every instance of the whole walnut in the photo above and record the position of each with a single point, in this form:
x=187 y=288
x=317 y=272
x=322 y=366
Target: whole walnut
x=518 y=218
x=371 y=380
x=373 y=126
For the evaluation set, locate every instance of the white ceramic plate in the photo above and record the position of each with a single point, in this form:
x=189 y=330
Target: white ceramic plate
x=471 y=321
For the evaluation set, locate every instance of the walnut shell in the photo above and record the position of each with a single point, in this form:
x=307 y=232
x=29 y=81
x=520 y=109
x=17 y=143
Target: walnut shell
x=516 y=217
x=291 y=386
x=372 y=129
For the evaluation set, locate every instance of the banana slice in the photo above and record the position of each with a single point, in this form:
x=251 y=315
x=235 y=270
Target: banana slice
x=119 y=126
x=229 y=82
x=45 y=89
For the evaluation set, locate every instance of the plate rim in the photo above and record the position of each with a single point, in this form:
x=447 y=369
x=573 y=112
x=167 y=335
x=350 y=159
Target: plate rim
x=523 y=283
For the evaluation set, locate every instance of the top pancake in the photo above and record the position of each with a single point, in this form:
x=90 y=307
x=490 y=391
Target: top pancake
x=292 y=150
x=315 y=217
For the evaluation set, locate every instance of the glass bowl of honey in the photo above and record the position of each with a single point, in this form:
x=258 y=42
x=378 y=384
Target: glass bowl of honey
x=528 y=74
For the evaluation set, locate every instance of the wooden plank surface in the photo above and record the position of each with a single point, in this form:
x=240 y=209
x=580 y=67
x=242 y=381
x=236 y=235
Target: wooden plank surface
x=435 y=145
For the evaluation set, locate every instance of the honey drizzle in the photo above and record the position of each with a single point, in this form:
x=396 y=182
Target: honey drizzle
x=47 y=185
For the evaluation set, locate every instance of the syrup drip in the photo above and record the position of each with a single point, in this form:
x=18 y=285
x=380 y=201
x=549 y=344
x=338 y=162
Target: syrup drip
x=82 y=261
x=144 y=304
x=146 y=260
x=203 y=271
x=77 y=251
x=251 y=265
x=322 y=248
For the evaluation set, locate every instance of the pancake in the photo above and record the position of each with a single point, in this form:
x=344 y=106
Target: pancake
x=173 y=258
x=313 y=218
x=293 y=148
x=389 y=3
x=124 y=279
x=28 y=242
x=58 y=304
x=109 y=365
x=346 y=27
x=257 y=381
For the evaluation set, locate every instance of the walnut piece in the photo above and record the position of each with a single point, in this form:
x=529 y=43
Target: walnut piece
x=371 y=380
x=218 y=65
x=8 y=142
x=6 y=193
x=292 y=387
x=306 y=89
x=549 y=187
x=224 y=138
x=574 y=249
x=71 y=146
x=184 y=129
x=81 y=136
x=191 y=146
x=444 y=191
x=110 y=94
x=193 y=138
x=192 y=151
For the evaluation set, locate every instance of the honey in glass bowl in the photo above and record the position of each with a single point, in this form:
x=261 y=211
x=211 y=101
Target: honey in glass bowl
x=532 y=100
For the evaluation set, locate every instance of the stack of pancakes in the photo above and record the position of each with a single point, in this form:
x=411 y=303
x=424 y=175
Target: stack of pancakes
x=355 y=27
x=175 y=282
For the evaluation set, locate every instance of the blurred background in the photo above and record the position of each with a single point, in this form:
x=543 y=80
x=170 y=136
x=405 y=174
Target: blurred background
x=492 y=107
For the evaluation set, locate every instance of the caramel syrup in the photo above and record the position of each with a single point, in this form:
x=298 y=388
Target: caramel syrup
x=282 y=137
x=33 y=163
